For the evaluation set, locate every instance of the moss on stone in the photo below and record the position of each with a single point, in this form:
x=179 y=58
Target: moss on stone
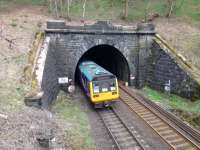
x=29 y=73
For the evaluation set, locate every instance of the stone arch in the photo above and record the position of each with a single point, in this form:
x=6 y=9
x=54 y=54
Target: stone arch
x=109 y=57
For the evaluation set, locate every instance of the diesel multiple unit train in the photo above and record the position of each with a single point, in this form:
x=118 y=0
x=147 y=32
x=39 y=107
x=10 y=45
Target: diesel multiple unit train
x=100 y=85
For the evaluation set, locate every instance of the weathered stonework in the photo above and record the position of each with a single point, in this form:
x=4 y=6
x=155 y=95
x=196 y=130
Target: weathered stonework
x=164 y=67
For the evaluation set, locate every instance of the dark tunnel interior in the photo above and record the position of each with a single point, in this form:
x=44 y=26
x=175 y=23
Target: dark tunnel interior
x=109 y=58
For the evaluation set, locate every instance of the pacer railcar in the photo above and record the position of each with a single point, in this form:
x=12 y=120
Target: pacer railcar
x=100 y=85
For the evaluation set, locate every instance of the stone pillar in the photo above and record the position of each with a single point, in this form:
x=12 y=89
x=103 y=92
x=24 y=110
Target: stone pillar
x=146 y=32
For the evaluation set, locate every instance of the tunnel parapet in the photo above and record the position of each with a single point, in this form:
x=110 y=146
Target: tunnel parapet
x=105 y=27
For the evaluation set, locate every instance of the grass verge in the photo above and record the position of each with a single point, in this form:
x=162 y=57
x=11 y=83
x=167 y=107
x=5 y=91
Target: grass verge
x=12 y=87
x=77 y=121
x=187 y=110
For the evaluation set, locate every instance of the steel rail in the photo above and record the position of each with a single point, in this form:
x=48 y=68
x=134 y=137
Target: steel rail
x=160 y=112
x=114 y=137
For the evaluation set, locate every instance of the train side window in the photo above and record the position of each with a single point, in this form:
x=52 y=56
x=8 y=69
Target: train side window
x=88 y=85
x=84 y=81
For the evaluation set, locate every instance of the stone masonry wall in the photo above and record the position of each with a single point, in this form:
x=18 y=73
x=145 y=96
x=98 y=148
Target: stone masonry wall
x=50 y=85
x=162 y=68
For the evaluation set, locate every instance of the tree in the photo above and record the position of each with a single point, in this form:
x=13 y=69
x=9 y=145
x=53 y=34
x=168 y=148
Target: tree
x=173 y=6
x=125 y=11
x=84 y=9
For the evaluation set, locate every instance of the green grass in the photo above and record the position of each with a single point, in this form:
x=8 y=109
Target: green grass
x=104 y=10
x=187 y=110
x=9 y=4
x=78 y=124
x=190 y=9
x=12 y=89
x=33 y=2
x=172 y=101
x=97 y=10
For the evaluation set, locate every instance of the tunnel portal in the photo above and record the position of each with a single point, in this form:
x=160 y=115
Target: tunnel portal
x=109 y=58
x=137 y=55
x=122 y=50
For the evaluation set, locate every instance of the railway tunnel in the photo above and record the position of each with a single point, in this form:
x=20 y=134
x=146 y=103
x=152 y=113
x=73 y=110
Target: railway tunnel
x=114 y=47
x=136 y=55
x=109 y=58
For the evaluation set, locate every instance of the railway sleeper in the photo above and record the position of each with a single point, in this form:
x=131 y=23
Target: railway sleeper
x=151 y=118
x=138 y=106
x=184 y=146
x=140 y=109
x=134 y=103
x=145 y=114
x=146 y=118
x=127 y=102
x=127 y=138
x=121 y=134
x=111 y=119
x=114 y=125
x=177 y=141
x=135 y=106
x=171 y=138
x=162 y=129
x=127 y=145
x=121 y=141
x=114 y=130
x=154 y=121
x=158 y=126
x=167 y=132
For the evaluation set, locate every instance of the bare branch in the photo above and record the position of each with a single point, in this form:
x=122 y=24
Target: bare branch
x=84 y=8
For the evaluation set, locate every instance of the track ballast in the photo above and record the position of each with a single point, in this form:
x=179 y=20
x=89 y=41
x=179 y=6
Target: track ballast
x=122 y=136
x=174 y=136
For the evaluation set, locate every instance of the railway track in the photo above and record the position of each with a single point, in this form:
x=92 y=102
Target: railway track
x=177 y=137
x=122 y=136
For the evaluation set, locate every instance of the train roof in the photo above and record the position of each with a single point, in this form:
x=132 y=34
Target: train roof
x=91 y=70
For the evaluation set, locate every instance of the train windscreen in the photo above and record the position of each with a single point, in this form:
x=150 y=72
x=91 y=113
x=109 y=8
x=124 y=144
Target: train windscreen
x=104 y=85
x=101 y=78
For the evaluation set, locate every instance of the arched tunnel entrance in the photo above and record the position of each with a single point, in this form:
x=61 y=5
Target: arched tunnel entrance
x=109 y=58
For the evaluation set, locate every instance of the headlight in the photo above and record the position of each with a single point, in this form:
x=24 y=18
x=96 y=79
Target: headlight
x=114 y=93
x=95 y=96
x=104 y=89
x=112 y=88
x=96 y=89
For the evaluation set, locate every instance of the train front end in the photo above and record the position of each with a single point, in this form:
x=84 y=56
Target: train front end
x=104 y=92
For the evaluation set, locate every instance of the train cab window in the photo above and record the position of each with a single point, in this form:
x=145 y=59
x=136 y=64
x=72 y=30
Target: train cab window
x=84 y=80
x=112 y=85
x=104 y=86
x=88 y=85
x=96 y=88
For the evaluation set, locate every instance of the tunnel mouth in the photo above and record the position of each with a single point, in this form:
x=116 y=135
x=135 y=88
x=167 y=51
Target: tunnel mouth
x=109 y=58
